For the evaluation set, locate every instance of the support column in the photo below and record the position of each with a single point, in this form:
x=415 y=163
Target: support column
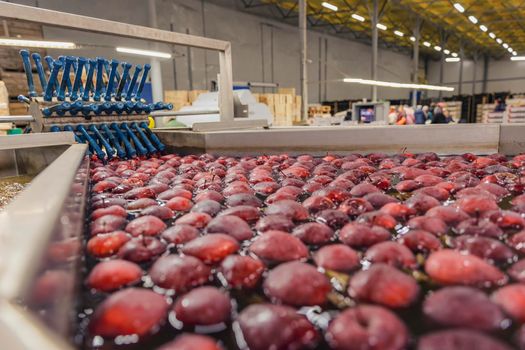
x=442 y=62
x=415 y=60
x=486 y=59
x=375 y=43
x=474 y=68
x=157 y=90
x=304 y=68
x=461 y=57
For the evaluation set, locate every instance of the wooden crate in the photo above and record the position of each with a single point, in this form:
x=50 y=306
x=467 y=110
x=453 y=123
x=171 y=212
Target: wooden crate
x=16 y=83
x=286 y=91
x=193 y=94
x=18 y=108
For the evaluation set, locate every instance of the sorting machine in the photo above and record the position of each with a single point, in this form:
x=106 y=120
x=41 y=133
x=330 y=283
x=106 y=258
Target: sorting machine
x=42 y=230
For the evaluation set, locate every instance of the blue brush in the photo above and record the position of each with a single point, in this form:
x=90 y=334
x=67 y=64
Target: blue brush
x=144 y=139
x=109 y=150
x=77 y=83
x=121 y=153
x=131 y=152
x=52 y=82
x=141 y=150
x=154 y=139
x=147 y=68
x=99 y=83
x=49 y=60
x=112 y=77
x=40 y=70
x=131 y=87
x=29 y=72
x=91 y=141
x=61 y=95
x=89 y=79
x=122 y=82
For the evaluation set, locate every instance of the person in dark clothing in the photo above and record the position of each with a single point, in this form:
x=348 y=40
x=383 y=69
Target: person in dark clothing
x=439 y=117
x=500 y=106
x=419 y=115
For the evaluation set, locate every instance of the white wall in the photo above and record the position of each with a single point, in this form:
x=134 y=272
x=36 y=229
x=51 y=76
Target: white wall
x=251 y=38
x=503 y=76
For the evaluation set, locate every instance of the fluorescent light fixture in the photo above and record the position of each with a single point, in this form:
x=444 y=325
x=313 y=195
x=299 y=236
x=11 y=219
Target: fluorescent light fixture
x=412 y=39
x=437 y=48
x=483 y=28
x=458 y=7
x=381 y=26
x=397 y=85
x=398 y=33
x=329 y=6
x=358 y=18
x=517 y=58
x=499 y=41
x=452 y=59
x=426 y=43
x=37 y=43
x=492 y=35
x=143 y=52
x=454 y=54
x=473 y=19
x=505 y=45
x=514 y=53
x=446 y=52
x=510 y=50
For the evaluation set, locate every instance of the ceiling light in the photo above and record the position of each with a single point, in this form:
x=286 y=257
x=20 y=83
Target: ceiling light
x=381 y=26
x=329 y=6
x=452 y=59
x=492 y=35
x=458 y=7
x=397 y=85
x=446 y=52
x=412 y=39
x=143 y=52
x=499 y=41
x=398 y=33
x=514 y=53
x=454 y=54
x=483 y=28
x=37 y=43
x=357 y=17
x=517 y=58
x=473 y=19
x=437 y=48
x=510 y=50
x=505 y=45
x=426 y=43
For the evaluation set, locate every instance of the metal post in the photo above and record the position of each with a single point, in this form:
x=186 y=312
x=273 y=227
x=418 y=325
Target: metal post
x=189 y=61
x=325 y=95
x=157 y=90
x=226 y=85
x=415 y=60
x=304 y=70
x=375 y=20
x=486 y=59
x=474 y=72
x=462 y=57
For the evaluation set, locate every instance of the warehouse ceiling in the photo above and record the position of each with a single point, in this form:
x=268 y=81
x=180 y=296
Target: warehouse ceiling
x=441 y=23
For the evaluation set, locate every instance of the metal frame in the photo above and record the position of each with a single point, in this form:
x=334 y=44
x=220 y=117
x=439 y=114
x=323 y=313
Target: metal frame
x=101 y=26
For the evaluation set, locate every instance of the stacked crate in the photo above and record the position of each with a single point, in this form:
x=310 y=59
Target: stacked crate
x=11 y=68
x=181 y=98
x=454 y=108
x=515 y=110
x=483 y=111
x=285 y=106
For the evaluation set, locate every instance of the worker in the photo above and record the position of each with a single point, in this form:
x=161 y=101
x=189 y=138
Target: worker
x=401 y=116
x=419 y=115
x=500 y=106
x=439 y=117
x=392 y=115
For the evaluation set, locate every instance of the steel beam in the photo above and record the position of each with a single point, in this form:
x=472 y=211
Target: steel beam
x=415 y=59
x=304 y=58
x=375 y=50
